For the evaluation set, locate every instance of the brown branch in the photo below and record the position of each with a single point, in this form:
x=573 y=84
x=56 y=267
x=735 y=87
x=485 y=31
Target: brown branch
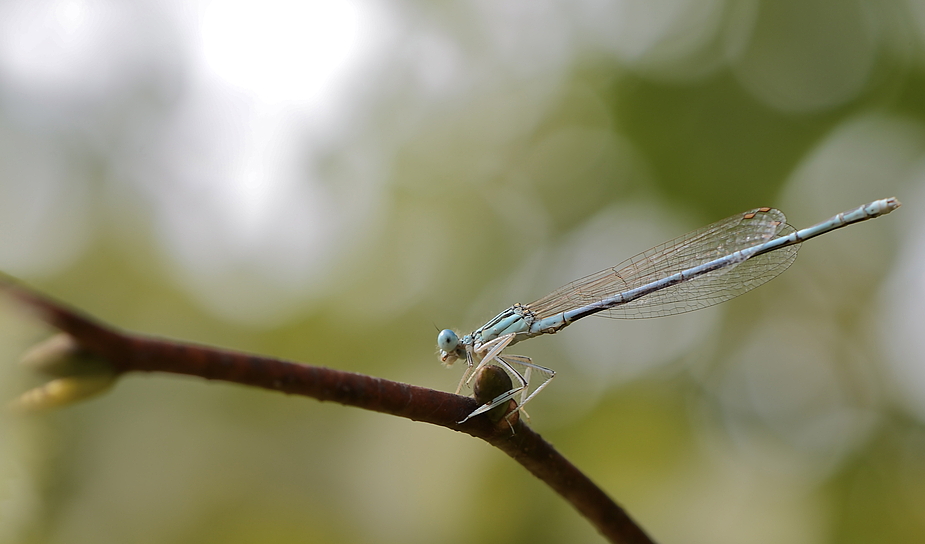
x=129 y=352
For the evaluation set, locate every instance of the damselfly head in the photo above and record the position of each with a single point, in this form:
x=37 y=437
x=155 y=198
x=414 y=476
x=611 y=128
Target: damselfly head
x=447 y=343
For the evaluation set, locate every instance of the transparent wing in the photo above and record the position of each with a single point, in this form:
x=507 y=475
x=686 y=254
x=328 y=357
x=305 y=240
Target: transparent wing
x=694 y=248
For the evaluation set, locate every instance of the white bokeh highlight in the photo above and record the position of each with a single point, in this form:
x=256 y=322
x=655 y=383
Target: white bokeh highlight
x=44 y=215
x=253 y=228
x=901 y=319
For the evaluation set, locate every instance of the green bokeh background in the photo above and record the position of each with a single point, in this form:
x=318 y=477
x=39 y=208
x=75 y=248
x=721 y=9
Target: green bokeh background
x=782 y=416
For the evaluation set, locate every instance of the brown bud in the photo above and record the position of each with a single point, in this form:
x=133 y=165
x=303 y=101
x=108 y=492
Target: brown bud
x=491 y=381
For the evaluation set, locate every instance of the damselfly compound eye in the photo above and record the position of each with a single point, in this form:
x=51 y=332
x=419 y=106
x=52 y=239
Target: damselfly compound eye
x=447 y=341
